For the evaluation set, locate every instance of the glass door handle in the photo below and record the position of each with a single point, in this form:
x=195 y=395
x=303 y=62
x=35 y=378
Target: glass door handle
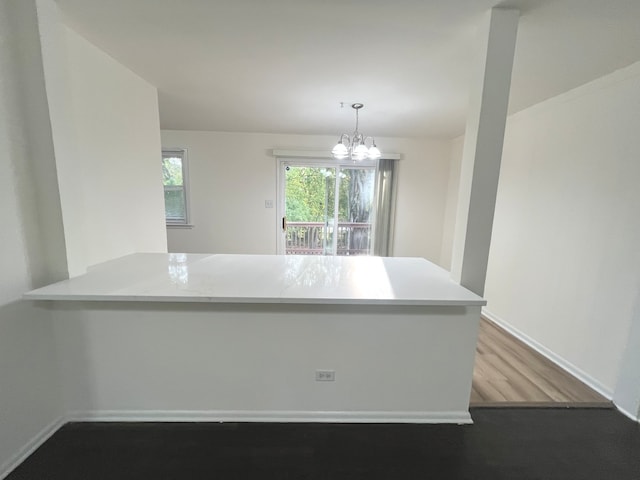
x=284 y=224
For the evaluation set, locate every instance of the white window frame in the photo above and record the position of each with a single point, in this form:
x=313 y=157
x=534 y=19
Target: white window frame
x=182 y=153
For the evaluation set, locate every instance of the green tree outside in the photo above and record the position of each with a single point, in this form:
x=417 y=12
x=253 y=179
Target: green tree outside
x=172 y=171
x=311 y=191
x=309 y=198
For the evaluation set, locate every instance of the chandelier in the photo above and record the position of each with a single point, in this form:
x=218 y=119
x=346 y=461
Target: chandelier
x=355 y=146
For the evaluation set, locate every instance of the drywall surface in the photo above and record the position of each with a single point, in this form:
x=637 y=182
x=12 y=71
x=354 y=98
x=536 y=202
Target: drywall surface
x=105 y=130
x=117 y=141
x=66 y=109
x=29 y=395
x=448 y=229
x=232 y=174
x=564 y=266
x=67 y=164
x=421 y=198
x=49 y=258
x=185 y=361
x=482 y=152
x=627 y=393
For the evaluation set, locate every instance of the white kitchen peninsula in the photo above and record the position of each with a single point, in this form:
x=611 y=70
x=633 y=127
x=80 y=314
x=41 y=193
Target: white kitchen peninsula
x=241 y=338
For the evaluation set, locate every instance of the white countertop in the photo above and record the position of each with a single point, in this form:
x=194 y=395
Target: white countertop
x=161 y=277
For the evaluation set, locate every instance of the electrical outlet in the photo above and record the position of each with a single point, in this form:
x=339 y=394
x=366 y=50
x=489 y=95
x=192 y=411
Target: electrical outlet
x=325 y=375
x=268 y=204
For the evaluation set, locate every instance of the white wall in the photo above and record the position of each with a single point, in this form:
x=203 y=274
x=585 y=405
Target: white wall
x=564 y=267
x=29 y=394
x=117 y=141
x=60 y=116
x=451 y=208
x=627 y=394
x=66 y=112
x=232 y=174
x=423 y=176
x=234 y=362
x=105 y=126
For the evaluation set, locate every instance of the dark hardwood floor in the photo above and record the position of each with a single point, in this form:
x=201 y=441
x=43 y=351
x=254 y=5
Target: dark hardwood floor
x=505 y=443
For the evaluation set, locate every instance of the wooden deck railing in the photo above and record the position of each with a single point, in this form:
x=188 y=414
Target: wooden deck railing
x=308 y=238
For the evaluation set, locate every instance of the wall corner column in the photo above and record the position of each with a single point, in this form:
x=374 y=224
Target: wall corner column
x=484 y=137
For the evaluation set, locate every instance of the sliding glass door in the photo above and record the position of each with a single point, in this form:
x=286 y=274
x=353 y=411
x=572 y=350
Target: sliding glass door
x=327 y=208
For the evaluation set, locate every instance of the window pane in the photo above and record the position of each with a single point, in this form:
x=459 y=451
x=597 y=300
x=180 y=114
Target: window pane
x=172 y=170
x=309 y=193
x=356 y=211
x=309 y=208
x=174 y=181
x=174 y=204
x=356 y=194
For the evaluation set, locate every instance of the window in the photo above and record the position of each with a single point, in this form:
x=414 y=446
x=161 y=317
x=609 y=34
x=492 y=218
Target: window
x=174 y=178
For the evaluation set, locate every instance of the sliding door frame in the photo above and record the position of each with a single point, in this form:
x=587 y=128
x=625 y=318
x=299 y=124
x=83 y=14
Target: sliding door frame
x=282 y=163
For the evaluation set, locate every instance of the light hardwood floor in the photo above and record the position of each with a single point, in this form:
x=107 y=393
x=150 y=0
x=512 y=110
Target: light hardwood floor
x=509 y=372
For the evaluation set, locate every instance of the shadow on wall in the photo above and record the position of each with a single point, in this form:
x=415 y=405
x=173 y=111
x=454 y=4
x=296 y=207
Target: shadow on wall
x=29 y=394
x=27 y=147
x=73 y=342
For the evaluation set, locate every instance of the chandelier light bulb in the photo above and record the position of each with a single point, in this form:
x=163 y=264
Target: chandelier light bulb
x=360 y=152
x=374 y=153
x=340 y=152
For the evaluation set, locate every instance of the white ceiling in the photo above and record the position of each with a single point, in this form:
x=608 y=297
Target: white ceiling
x=285 y=65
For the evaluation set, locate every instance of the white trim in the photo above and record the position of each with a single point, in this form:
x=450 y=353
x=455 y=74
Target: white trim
x=320 y=154
x=184 y=156
x=180 y=225
x=626 y=413
x=460 y=417
x=280 y=206
x=31 y=446
x=555 y=358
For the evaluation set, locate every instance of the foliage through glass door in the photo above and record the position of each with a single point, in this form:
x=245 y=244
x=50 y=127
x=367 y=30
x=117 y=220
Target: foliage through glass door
x=315 y=224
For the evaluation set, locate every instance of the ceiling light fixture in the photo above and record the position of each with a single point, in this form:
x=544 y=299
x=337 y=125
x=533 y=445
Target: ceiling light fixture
x=354 y=146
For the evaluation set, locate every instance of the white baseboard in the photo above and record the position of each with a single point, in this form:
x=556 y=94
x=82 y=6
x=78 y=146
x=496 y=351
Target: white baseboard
x=7 y=467
x=457 y=417
x=555 y=358
x=626 y=413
